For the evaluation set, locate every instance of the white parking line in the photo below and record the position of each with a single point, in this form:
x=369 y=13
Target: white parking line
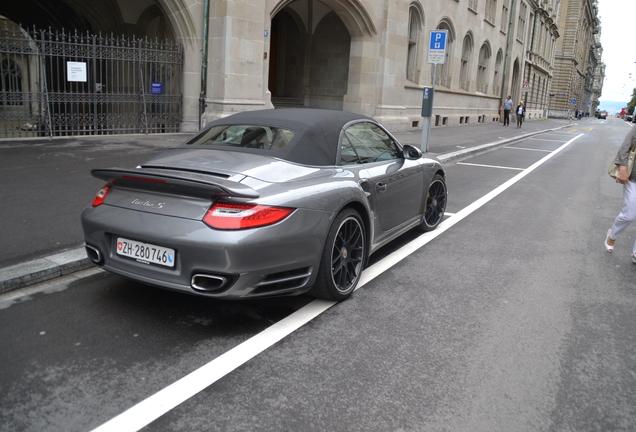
x=541 y=139
x=150 y=409
x=529 y=149
x=490 y=166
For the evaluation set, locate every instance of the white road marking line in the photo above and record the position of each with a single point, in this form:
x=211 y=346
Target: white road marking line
x=541 y=139
x=490 y=166
x=529 y=149
x=150 y=409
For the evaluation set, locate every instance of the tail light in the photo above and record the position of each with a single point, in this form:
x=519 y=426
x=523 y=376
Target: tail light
x=101 y=196
x=227 y=216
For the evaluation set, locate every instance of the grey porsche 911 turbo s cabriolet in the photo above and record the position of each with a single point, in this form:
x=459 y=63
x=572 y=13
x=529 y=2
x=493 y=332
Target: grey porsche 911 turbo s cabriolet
x=264 y=203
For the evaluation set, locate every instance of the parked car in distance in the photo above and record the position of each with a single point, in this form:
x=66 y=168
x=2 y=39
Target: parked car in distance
x=264 y=203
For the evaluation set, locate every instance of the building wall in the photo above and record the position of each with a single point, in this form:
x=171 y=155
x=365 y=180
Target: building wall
x=578 y=22
x=365 y=56
x=369 y=75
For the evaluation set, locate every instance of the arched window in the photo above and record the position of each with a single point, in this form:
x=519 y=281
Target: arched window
x=10 y=83
x=464 y=68
x=482 y=69
x=496 y=85
x=412 y=59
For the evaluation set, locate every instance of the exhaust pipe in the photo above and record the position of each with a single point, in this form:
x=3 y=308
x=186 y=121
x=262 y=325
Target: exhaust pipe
x=94 y=255
x=208 y=283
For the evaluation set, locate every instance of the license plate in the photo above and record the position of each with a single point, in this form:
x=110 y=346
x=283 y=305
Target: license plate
x=145 y=252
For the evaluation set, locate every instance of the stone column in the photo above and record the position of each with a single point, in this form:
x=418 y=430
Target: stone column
x=391 y=102
x=186 y=18
x=363 y=81
x=236 y=59
x=377 y=70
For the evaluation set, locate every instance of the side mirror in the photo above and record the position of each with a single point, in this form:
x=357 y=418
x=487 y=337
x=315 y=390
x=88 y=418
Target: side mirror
x=411 y=152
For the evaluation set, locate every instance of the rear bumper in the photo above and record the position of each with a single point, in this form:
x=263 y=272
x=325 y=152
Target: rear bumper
x=279 y=259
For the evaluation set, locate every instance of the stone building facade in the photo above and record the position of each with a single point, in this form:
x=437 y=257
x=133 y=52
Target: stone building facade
x=577 y=59
x=365 y=56
x=370 y=56
x=596 y=76
x=542 y=34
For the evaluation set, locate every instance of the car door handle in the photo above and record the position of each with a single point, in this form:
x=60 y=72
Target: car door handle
x=380 y=187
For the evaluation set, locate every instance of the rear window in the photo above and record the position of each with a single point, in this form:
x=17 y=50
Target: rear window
x=246 y=136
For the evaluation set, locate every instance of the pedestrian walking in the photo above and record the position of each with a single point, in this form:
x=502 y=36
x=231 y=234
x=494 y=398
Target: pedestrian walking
x=521 y=112
x=507 y=106
x=628 y=180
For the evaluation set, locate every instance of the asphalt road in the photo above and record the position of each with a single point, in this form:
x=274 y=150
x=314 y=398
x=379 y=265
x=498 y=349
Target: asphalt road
x=510 y=317
x=45 y=184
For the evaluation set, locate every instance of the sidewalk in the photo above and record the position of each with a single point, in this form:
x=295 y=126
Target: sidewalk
x=447 y=143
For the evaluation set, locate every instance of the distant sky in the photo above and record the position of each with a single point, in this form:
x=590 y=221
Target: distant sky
x=618 y=37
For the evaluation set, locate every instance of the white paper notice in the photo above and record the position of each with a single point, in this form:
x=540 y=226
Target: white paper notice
x=76 y=71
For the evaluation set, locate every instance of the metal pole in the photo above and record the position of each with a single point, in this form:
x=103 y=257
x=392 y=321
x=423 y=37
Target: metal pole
x=45 y=87
x=426 y=141
x=204 y=61
x=142 y=86
x=507 y=56
x=94 y=85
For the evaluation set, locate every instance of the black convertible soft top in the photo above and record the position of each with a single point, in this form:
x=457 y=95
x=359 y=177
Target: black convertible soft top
x=316 y=132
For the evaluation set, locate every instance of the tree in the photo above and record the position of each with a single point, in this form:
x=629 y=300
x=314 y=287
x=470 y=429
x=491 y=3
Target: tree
x=632 y=103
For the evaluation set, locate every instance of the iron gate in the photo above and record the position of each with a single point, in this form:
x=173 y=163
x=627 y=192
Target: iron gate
x=61 y=84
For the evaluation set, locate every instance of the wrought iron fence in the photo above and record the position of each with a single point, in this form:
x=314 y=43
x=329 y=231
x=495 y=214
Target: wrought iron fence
x=62 y=84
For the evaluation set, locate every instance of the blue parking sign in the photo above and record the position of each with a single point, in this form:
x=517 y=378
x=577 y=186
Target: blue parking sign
x=438 y=40
x=437 y=46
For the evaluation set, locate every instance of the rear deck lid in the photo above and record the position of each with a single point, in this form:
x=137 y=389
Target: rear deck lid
x=169 y=192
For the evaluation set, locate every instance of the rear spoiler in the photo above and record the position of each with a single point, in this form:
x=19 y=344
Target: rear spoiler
x=208 y=183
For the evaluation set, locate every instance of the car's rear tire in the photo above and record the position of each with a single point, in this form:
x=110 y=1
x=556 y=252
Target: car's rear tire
x=342 y=259
x=435 y=205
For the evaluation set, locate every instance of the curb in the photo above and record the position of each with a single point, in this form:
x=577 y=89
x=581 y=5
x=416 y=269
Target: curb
x=483 y=148
x=71 y=261
x=43 y=269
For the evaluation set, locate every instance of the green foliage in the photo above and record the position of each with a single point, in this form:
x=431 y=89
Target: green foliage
x=632 y=103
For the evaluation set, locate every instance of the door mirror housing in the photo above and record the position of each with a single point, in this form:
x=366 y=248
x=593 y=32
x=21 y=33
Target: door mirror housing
x=411 y=152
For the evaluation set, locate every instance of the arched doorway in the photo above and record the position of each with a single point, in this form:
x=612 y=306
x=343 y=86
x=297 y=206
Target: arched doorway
x=117 y=71
x=141 y=18
x=309 y=56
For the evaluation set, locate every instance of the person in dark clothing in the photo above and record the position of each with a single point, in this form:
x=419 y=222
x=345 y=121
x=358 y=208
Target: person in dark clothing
x=520 y=112
x=507 y=106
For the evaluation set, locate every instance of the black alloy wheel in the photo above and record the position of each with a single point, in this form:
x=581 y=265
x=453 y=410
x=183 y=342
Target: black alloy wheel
x=342 y=258
x=435 y=204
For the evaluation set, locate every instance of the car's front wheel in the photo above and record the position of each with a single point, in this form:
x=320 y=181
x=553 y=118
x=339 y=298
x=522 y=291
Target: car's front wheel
x=342 y=258
x=435 y=204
